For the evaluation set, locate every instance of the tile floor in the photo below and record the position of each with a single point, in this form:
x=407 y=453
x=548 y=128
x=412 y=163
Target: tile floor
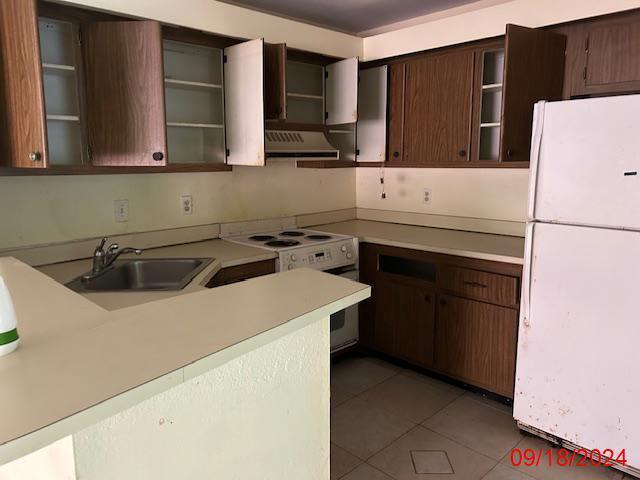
x=388 y=423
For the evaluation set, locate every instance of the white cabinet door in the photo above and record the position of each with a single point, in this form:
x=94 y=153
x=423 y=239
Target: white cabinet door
x=372 y=115
x=585 y=165
x=579 y=336
x=341 y=92
x=244 y=103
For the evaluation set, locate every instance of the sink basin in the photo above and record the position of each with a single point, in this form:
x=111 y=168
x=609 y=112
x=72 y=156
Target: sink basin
x=159 y=274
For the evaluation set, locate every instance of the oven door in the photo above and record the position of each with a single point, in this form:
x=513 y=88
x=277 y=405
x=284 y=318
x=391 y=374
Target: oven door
x=344 y=324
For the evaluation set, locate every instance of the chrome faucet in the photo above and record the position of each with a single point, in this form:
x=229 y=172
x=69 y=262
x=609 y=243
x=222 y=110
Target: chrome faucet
x=103 y=259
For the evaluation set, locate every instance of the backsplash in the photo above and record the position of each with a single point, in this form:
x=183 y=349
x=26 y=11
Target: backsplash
x=492 y=194
x=41 y=210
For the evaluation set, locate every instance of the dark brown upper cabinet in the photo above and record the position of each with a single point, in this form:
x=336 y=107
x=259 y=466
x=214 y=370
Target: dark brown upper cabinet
x=275 y=81
x=124 y=85
x=430 y=109
x=511 y=81
x=22 y=109
x=473 y=105
x=437 y=108
x=603 y=55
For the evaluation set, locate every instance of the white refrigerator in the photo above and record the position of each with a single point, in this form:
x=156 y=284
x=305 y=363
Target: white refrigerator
x=578 y=361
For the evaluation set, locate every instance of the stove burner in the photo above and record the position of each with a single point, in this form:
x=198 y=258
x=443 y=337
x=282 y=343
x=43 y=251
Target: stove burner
x=291 y=233
x=318 y=237
x=282 y=243
x=262 y=238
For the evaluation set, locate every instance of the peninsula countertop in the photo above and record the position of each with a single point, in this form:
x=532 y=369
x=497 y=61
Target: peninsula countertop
x=486 y=246
x=76 y=357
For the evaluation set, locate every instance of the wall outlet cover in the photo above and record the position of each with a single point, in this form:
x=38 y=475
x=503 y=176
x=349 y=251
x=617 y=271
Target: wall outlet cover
x=427 y=195
x=121 y=210
x=186 y=204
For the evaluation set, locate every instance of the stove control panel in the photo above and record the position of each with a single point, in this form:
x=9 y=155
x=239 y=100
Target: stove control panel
x=321 y=257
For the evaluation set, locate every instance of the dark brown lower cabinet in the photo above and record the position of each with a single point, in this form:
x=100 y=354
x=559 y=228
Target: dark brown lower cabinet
x=405 y=319
x=240 y=273
x=476 y=343
x=455 y=316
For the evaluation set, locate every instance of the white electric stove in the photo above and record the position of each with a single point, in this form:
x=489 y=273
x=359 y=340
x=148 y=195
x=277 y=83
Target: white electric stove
x=298 y=248
x=329 y=252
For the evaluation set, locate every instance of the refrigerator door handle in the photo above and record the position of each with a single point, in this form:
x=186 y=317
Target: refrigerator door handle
x=525 y=311
x=536 y=143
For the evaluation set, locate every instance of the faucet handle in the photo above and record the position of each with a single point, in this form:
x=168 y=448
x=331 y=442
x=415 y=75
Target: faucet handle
x=113 y=247
x=102 y=243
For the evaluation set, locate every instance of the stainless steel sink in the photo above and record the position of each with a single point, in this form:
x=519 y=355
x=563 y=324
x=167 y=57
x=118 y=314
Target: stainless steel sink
x=157 y=274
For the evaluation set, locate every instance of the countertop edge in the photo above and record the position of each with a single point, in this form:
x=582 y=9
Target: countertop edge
x=447 y=251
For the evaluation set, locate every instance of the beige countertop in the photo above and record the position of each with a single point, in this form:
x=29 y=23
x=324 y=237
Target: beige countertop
x=78 y=362
x=499 y=248
x=226 y=254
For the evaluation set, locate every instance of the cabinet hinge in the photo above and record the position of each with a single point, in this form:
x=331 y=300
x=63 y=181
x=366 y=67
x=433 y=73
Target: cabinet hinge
x=326 y=115
x=584 y=73
x=357 y=151
x=89 y=154
x=80 y=36
x=224 y=59
x=586 y=44
x=227 y=152
x=326 y=74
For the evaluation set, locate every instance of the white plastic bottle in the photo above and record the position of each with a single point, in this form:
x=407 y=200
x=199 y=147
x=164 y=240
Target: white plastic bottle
x=9 y=338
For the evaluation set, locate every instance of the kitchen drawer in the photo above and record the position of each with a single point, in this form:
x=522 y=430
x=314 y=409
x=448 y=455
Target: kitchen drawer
x=478 y=285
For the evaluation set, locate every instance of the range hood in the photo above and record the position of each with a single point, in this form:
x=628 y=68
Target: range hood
x=299 y=145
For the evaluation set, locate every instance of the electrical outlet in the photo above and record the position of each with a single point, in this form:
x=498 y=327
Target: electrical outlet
x=427 y=195
x=121 y=210
x=186 y=203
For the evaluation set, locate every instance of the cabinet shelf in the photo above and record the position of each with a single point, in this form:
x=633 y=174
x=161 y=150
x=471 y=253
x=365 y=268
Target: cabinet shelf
x=188 y=84
x=64 y=118
x=59 y=67
x=305 y=96
x=492 y=86
x=194 y=125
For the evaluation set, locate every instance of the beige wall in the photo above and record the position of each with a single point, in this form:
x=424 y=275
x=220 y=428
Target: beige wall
x=233 y=21
x=38 y=210
x=467 y=25
x=492 y=194
x=228 y=423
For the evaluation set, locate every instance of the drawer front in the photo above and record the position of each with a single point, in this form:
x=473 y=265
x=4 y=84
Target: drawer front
x=479 y=285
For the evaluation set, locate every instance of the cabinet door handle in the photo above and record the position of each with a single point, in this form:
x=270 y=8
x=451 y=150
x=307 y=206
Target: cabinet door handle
x=396 y=154
x=158 y=156
x=427 y=298
x=462 y=153
x=475 y=284
x=443 y=302
x=35 y=156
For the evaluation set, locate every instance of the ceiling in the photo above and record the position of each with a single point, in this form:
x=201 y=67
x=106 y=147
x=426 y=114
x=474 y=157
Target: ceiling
x=351 y=16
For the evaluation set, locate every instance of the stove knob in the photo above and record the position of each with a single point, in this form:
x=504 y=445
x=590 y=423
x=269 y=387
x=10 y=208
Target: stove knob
x=349 y=255
x=293 y=257
x=343 y=248
x=290 y=267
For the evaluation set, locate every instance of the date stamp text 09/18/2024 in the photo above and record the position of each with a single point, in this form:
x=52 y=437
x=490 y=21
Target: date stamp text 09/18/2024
x=563 y=457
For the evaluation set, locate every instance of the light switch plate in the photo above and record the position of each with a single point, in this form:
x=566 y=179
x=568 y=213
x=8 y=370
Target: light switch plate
x=186 y=204
x=427 y=195
x=121 y=210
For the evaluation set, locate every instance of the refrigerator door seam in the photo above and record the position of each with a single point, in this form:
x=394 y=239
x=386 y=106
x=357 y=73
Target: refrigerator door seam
x=526 y=276
x=536 y=143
